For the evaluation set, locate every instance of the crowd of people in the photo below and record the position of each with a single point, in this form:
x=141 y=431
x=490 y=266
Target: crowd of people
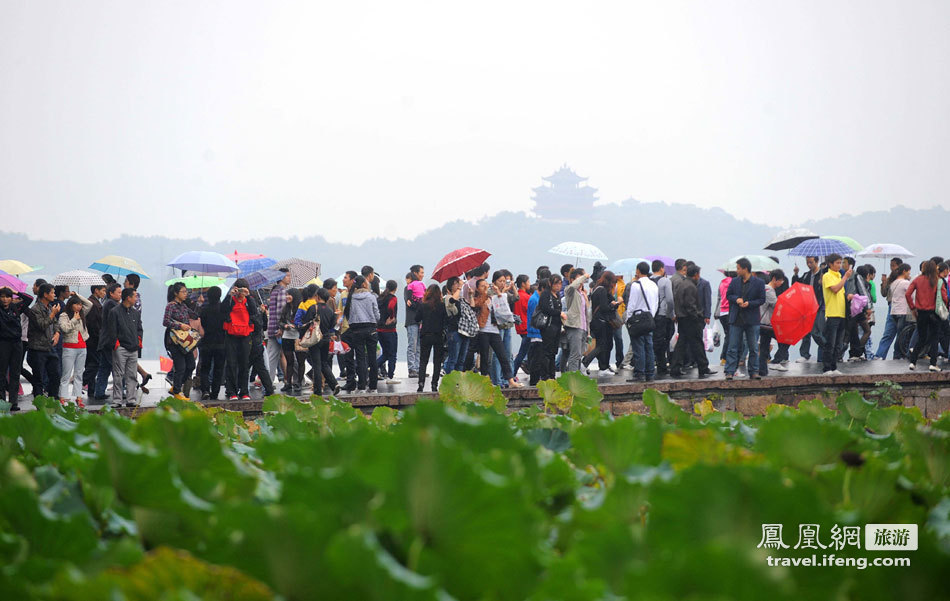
x=565 y=321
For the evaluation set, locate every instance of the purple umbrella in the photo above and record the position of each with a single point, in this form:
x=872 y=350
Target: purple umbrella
x=667 y=262
x=13 y=282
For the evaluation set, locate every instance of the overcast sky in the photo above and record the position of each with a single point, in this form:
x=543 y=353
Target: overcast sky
x=240 y=119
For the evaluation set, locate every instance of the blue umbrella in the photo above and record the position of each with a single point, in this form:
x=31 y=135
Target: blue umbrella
x=204 y=262
x=626 y=266
x=251 y=265
x=263 y=278
x=821 y=247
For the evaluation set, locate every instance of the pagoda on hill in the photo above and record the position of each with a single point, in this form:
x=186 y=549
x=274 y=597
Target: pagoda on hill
x=565 y=197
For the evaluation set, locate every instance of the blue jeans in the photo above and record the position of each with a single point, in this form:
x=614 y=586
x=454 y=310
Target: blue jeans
x=412 y=347
x=389 y=341
x=496 y=372
x=644 y=361
x=749 y=334
x=893 y=325
x=457 y=349
x=522 y=354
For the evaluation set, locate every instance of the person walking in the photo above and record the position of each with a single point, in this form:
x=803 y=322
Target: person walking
x=211 y=347
x=178 y=316
x=74 y=335
x=522 y=284
x=488 y=339
x=238 y=308
x=776 y=280
x=276 y=357
x=643 y=299
x=689 y=319
x=93 y=324
x=603 y=312
x=665 y=317
x=11 y=344
x=133 y=281
x=412 y=299
x=41 y=339
x=549 y=305
x=923 y=295
x=386 y=330
x=122 y=332
x=431 y=335
x=362 y=313
x=456 y=342
x=576 y=324
x=832 y=284
x=746 y=294
x=722 y=312
x=112 y=300
x=896 y=287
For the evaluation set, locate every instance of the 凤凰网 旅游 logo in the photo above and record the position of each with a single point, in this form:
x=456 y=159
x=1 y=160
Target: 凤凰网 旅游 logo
x=877 y=537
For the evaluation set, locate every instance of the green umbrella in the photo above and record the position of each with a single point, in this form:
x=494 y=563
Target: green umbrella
x=759 y=263
x=193 y=282
x=854 y=244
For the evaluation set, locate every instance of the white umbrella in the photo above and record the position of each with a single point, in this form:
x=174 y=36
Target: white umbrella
x=78 y=278
x=579 y=250
x=885 y=251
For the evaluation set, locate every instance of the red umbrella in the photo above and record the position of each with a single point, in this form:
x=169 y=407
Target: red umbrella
x=794 y=314
x=458 y=262
x=236 y=256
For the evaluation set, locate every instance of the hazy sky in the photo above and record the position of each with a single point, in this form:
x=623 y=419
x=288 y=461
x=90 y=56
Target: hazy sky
x=240 y=119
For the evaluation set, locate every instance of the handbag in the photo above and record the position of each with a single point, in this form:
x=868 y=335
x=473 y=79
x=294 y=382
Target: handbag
x=338 y=347
x=641 y=322
x=504 y=318
x=468 y=323
x=540 y=320
x=940 y=308
x=311 y=337
x=187 y=341
x=858 y=303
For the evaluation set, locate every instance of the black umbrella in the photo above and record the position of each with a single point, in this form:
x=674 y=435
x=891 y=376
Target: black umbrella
x=790 y=239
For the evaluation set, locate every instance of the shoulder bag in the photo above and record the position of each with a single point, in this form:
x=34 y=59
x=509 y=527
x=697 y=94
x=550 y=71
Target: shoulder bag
x=187 y=341
x=468 y=323
x=940 y=307
x=310 y=337
x=641 y=322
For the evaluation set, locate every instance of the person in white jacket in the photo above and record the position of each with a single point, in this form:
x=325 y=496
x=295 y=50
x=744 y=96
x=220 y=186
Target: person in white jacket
x=72 y=328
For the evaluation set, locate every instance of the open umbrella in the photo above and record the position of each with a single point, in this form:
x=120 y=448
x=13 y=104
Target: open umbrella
x=668 y=262
x=316 y=281
x=14 y=267
x=794 y=314
x=301 y=270
x=251 y=265
x=193 y=282
x=117 y=265
x=238 y=257
x=203 y=261
x=885 y=251
x=78 y=278
x=579 y=250
x=789 y=239
x=851 y=242
x=12 y=282
x=760 y=263
x=458 y=262
x=820 y=247
x=263 y=278
x=625 y=266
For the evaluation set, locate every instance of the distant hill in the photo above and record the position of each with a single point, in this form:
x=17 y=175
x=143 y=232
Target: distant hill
x=517 y=241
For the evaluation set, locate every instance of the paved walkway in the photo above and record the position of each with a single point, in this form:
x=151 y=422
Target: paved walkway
x=795 y=376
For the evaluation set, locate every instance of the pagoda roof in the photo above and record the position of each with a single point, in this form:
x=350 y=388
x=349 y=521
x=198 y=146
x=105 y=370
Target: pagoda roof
x=564 y=175
x=548 y=191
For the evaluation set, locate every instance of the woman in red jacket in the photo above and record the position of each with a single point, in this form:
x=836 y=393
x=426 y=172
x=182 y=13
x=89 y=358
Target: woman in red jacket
x=522 y=283
x=922 y=300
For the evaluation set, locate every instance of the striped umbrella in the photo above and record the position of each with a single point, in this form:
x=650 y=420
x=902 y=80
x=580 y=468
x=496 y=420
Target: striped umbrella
x=821 y=247
x=117 y=265
x=263 y=278
x=78 y=278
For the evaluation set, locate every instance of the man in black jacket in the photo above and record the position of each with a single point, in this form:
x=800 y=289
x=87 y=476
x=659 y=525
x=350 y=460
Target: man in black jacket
x=41 y=339
x=104 y=348
x=689 y=318
x=94 y=325
x=11 y=345
x=746 y=294
x=122 y=332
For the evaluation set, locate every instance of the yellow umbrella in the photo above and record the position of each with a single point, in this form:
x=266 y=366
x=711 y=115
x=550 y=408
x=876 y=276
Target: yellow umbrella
x=14 y=267
x=316 y=281
x=118 y=266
